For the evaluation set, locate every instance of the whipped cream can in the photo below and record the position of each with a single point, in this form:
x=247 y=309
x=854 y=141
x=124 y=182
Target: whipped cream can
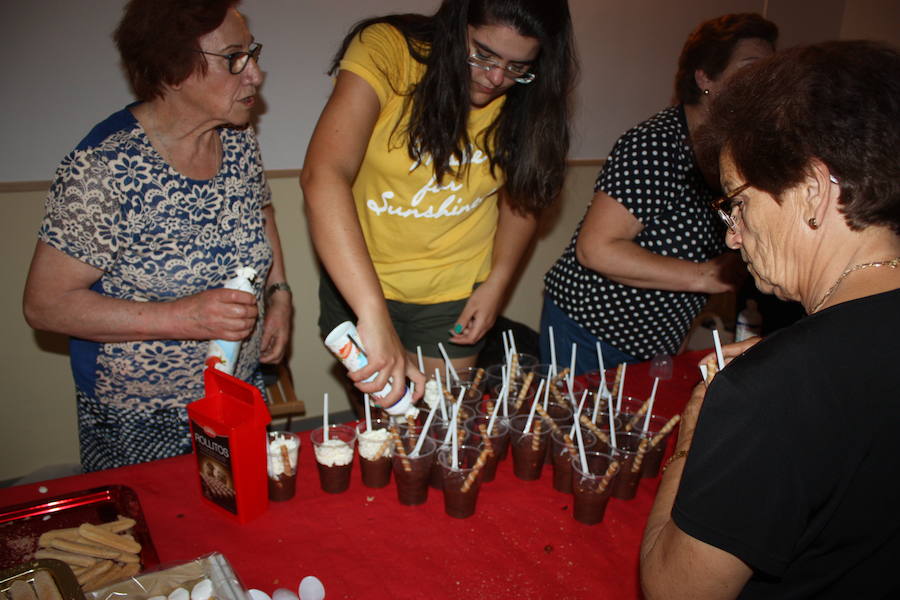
x=223 y=354
x=344 y=343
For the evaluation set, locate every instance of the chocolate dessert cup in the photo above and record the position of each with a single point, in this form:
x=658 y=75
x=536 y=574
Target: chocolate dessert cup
x=561 y=458
x=374 y=453
x=499 y=439
x=334 y=456
x=528 y=454
x=437 y=432
x=459 y=499
x=654 y=456
x=625 y=452
x=281 y=464
x=589 y=490
x=411 y=473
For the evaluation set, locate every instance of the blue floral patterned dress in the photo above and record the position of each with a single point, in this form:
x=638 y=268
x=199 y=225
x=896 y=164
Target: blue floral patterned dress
x=157 y=236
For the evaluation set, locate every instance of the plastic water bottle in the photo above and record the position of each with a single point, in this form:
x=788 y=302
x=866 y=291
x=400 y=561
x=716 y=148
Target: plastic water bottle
x=749 y=322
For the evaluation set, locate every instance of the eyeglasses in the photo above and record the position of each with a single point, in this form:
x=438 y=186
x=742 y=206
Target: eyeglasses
x=237 y=61
x=518 y=73
x=725 y=204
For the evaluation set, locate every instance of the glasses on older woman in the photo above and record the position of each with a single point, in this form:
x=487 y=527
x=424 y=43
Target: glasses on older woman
x=725 y=205
x=237 y=61
x=518 y=73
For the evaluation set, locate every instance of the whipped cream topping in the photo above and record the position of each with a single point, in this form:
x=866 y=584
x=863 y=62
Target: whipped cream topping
x=371 y=440
x=274 y=460
x=334 y=452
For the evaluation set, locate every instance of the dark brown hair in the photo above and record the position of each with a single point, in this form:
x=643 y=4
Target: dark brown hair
x=529 y=140
x=157 y=40
x=709 y=49
x=834 y=102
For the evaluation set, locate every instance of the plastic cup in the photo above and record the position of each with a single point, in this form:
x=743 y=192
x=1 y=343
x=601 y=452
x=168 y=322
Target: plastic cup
x=630 y=406
x=494 y=374
x=528 y=454
x=412 y=473
x=437 y=432
x=627 y=480
x=281 y=463
x=375 y=449
x=334 y=456
x=589 y=491
x=654 y=456
x=499 y=439
x=467 y=377
x=458 y=503
x=561 y=458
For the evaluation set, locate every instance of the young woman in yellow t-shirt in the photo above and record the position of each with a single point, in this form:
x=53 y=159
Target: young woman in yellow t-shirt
x=443 y=139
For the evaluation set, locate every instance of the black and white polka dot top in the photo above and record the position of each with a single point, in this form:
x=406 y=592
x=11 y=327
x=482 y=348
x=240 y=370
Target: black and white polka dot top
x=651 y=172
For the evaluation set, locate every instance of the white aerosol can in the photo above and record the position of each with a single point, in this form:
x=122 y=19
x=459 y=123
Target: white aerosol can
x=223 y=354
x=344 y=343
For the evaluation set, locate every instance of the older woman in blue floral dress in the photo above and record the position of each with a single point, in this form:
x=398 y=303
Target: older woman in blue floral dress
x=152 y=212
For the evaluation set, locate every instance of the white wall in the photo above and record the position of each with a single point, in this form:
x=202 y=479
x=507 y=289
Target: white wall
x=63 y=74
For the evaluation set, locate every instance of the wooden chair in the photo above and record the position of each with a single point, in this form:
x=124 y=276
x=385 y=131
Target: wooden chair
x=281 y=399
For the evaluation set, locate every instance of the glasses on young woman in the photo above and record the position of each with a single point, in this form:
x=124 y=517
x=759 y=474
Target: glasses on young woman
x=518 y=73
x=237 y=61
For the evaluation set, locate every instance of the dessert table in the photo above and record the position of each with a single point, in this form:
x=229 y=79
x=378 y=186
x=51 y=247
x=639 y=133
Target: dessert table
x=522 y=542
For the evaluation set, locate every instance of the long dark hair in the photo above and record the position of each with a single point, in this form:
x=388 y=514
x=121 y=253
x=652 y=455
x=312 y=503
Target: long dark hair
x=529 y=140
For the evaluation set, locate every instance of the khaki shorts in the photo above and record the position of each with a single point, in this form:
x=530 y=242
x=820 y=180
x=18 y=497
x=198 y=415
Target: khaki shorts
x=422 y=325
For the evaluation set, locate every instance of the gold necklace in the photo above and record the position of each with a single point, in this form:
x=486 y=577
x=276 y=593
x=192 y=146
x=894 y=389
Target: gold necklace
x=892 y=263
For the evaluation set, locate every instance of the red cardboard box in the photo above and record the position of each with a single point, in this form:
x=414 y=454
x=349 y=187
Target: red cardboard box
x=228 y=429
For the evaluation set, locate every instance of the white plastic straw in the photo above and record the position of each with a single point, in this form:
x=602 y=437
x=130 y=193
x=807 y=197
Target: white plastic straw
x=506 y=353
x=547 y=388
x=596 y=406
x=455 y=439
x=571 y=378
x=368 y=412
x=490 y=426
x=325 y=417
x=577 y=417
x=603 y=387
x=621 y=387
x=421 y=360
x=720 y=358
x=504 y=391
x=449 y=365
x=512 y=342
x=581 y=454
x=437 y=377
x=552 y=350
x=612 y=426
x=650 y=404
x=537 y=396
x=423 y=435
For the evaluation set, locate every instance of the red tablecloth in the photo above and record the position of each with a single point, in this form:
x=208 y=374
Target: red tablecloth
x=522 y=542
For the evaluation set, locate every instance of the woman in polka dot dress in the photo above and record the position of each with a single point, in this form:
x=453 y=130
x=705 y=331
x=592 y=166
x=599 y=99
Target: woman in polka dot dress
x=650 y=248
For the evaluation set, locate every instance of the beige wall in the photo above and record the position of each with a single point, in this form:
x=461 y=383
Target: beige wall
x=37 y=413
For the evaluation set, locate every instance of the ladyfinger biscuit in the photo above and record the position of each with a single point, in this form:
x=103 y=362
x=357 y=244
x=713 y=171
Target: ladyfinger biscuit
x=128 y=558
x=45 y=586
x=21 y=590
x=107 y=538
x=82 y=547
x=116 y=573
x=67 y=557
x=94 y=572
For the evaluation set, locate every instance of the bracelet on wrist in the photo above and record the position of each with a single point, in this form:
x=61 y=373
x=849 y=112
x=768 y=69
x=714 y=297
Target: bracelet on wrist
x=673 y=458
x=281 y=286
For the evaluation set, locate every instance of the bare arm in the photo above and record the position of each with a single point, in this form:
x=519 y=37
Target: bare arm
x=335 y=153
x=511 y=240
x=675 y=565
x=606 y=245
x=58 y=298
x=279 y=308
